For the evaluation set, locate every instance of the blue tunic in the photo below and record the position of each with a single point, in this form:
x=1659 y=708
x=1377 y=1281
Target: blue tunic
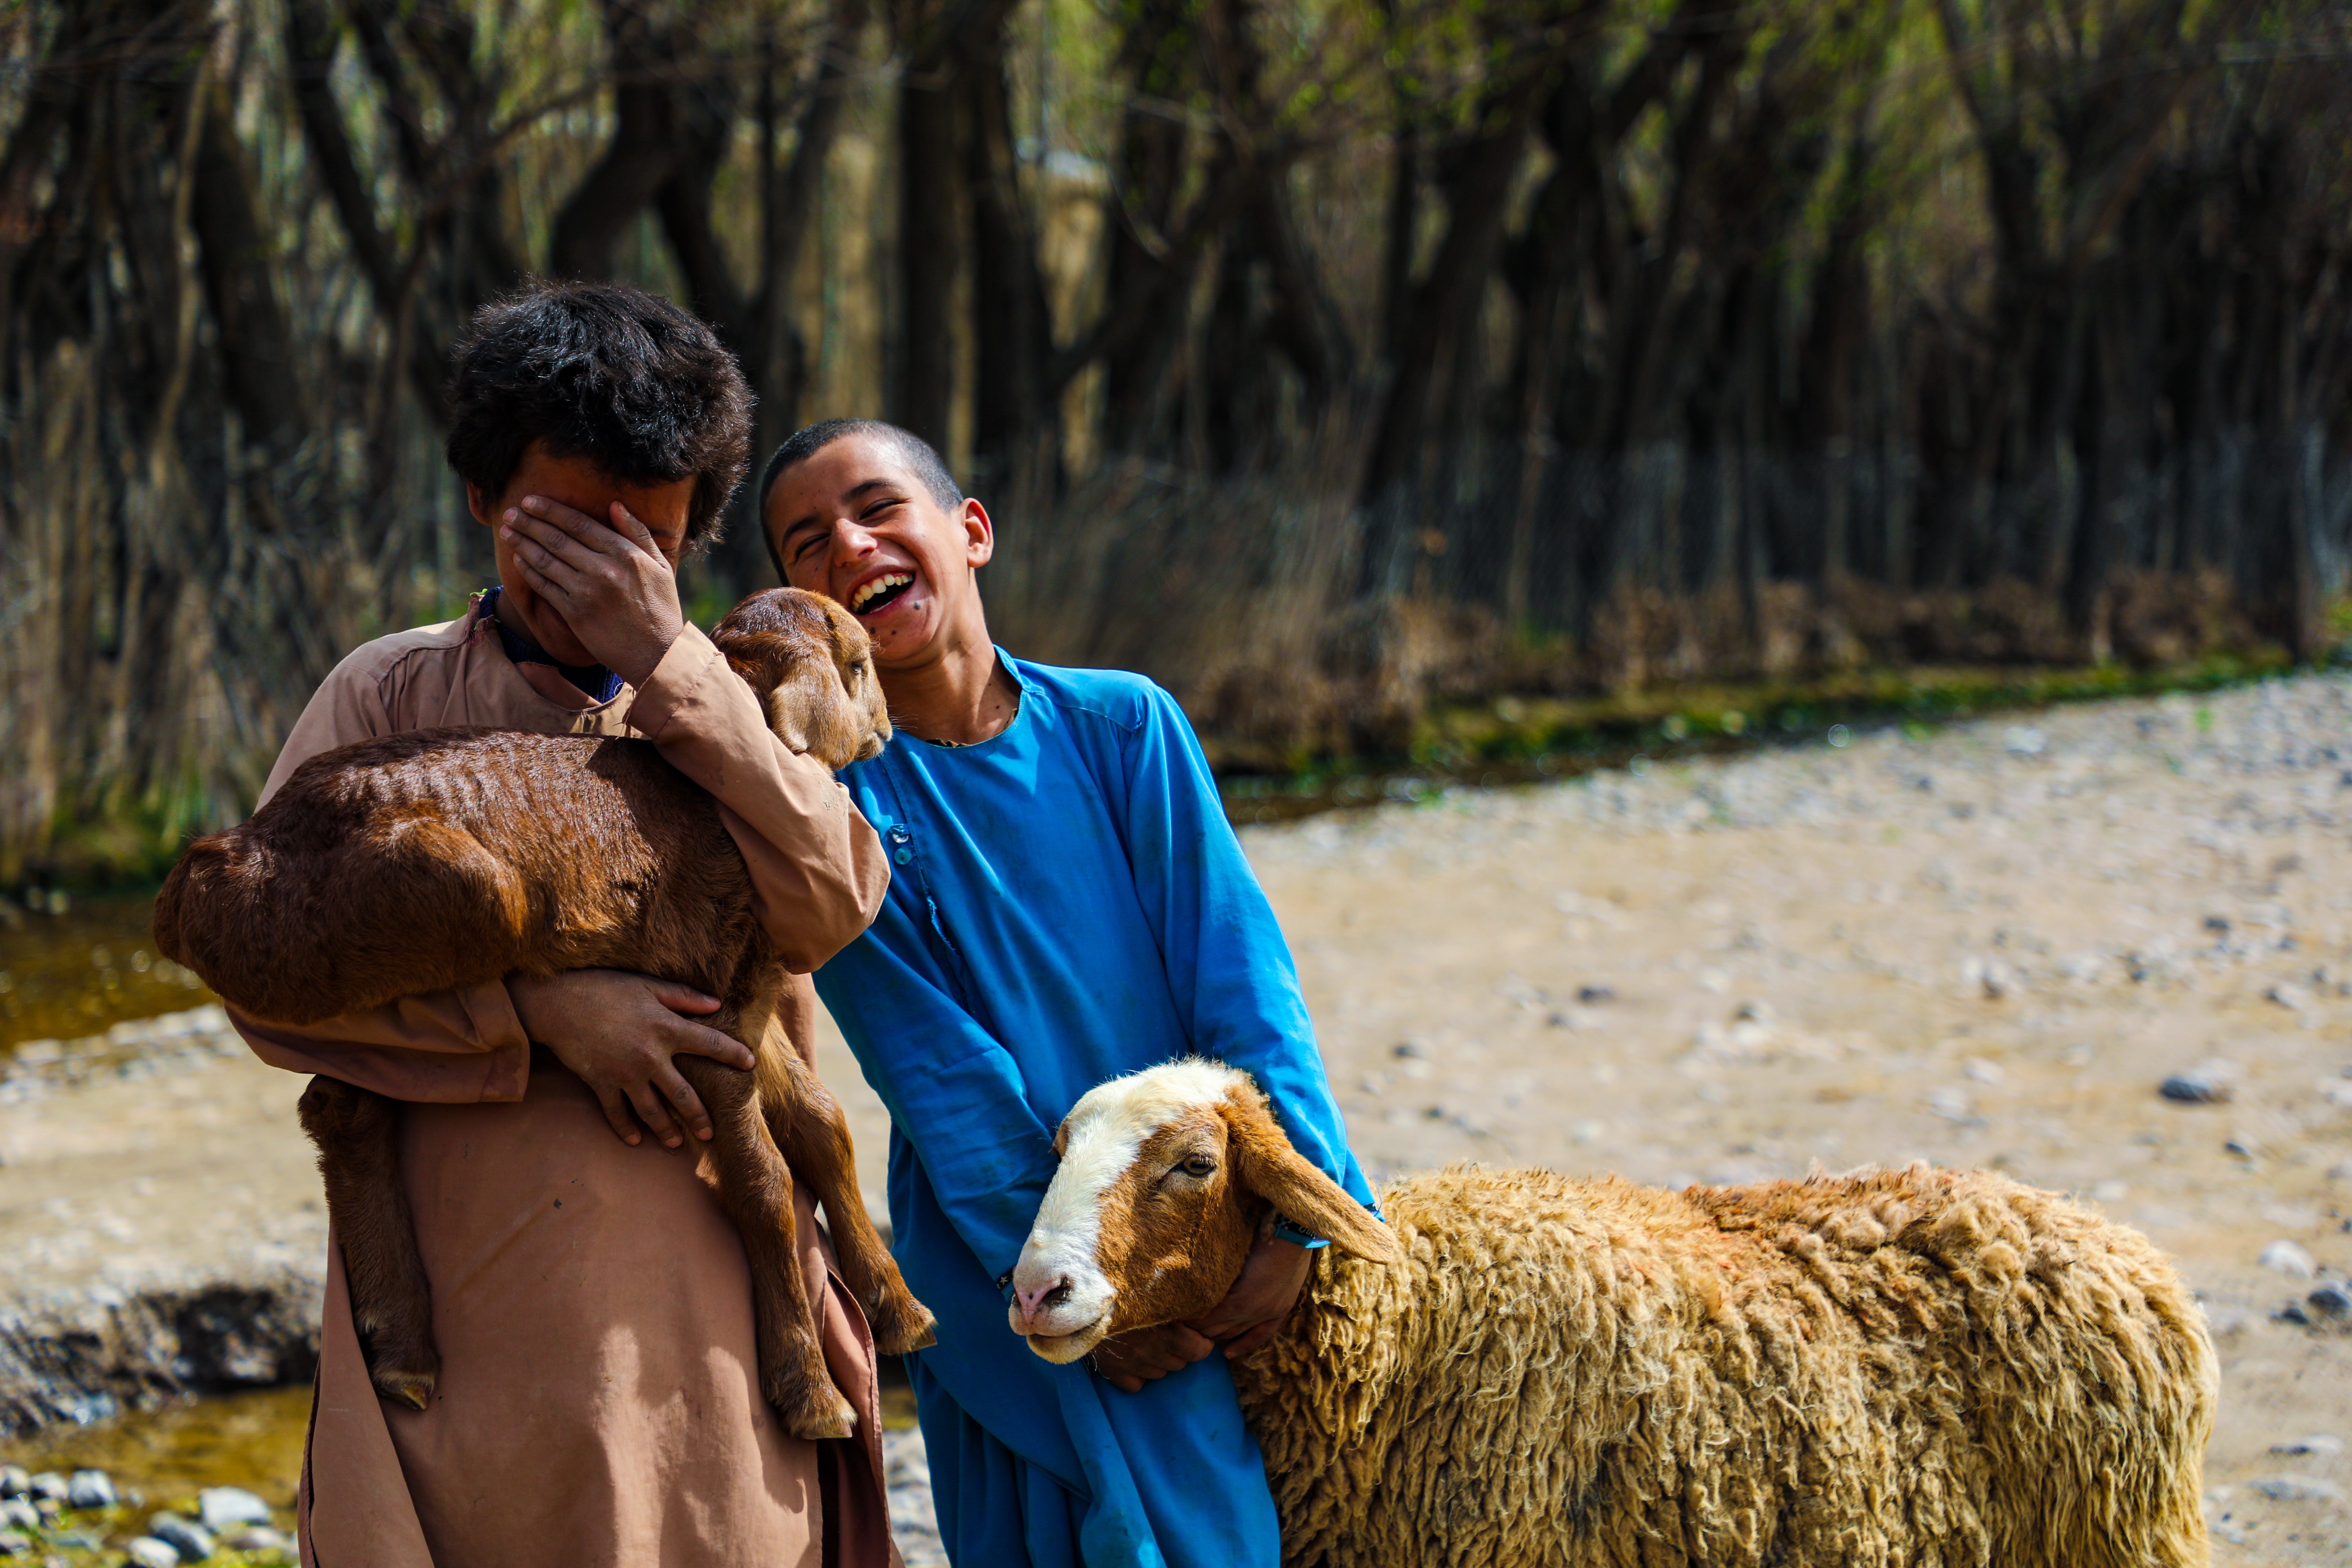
x=1067 y=904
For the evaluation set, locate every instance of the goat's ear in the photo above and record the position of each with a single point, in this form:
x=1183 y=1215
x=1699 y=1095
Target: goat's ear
x=1265 y=1164
x=792 y=713
x=1062 y=1139
x=807 y=707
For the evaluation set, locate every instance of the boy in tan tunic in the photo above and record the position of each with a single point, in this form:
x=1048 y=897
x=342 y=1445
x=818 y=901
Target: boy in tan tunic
x=598 y=1400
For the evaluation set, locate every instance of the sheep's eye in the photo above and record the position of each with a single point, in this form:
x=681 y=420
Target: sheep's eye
x=1199 y=1167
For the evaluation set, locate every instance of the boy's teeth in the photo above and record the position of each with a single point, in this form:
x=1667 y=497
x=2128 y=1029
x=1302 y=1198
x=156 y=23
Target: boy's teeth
x=879 y=585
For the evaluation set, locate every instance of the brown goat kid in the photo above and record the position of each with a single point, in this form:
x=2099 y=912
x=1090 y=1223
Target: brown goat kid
x=442 y=859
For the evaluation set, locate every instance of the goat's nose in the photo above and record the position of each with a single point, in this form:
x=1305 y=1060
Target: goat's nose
x=1044 y=1296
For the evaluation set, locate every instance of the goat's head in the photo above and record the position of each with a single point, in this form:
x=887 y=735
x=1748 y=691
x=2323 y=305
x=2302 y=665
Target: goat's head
x=1167 y=1178
x=813 y=668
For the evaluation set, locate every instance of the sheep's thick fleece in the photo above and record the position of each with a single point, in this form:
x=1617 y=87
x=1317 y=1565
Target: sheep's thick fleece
x=1918 y=1367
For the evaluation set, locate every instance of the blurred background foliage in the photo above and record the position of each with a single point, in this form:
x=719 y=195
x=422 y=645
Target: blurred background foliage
x=1325 y=359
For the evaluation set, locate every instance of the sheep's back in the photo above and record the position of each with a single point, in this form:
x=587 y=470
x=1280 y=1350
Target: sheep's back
x=1912 y=1367
x=447 y=857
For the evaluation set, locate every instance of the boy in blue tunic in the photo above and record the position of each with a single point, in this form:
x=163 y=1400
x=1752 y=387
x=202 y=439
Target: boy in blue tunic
x=1067 y=904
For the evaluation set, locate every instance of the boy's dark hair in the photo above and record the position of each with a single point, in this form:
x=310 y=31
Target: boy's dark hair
x=803 y=444
x=601 y=370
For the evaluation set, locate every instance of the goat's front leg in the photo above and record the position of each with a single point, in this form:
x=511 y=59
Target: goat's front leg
x=810 y=1129
x=756 y=1186
x=358 y=1135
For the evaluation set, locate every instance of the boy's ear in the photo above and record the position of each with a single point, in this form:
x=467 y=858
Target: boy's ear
x=477 y=503
x=979 y=533
x=1265 y=1164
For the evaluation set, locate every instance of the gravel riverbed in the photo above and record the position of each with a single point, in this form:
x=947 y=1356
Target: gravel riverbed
x=1993 y=944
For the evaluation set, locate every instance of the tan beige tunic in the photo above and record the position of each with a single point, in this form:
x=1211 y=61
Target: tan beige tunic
x=598 y=1401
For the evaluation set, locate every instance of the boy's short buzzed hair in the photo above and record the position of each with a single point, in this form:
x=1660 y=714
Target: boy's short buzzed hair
x=622 y=378
x=806 y=443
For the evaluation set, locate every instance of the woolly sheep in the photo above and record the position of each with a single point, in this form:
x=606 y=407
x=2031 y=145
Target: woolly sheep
x=1917 y=1367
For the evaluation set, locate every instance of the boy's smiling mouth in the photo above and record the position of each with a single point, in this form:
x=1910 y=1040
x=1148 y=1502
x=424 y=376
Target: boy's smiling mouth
x=880 y=592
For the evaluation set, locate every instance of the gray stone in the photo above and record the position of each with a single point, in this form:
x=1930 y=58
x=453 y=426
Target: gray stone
x=18 y=1514
x=146 y=1552
x=2318 y=1443
x=258 y=1537
x=14 y=1545
x=2332 y=1302
x=14 y=1481
x=90 y=1488
x=1408 y=1050
x=1594 y=996
x=2288 y=1258
x=51 y=1484
x=2198 y=1086
x=2298 y=1488
x=193 y=1542
x=219 y=1508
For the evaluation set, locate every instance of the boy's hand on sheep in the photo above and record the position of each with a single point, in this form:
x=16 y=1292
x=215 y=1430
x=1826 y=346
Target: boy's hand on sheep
x=1251 y=1313
x=1254 y=1310
x=615 y=586
x=1128 y=1361
x=618 y=1032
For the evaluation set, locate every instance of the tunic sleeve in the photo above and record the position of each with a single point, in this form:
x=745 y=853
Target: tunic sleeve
x=817 y=870
x=952 y=1090
x=1229 y=970
x=447 y=1046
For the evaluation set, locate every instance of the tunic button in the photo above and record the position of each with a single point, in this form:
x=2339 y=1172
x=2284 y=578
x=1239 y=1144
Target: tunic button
x=903 y=855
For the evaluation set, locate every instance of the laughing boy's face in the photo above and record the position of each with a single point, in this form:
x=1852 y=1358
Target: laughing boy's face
x=855 y=524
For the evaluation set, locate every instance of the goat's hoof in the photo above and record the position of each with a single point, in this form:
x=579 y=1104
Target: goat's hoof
x=902 y=1327
x=414 y=1389
x=817 y=1412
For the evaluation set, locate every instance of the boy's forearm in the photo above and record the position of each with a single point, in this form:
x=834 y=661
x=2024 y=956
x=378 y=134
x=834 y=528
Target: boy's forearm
x=817 y=869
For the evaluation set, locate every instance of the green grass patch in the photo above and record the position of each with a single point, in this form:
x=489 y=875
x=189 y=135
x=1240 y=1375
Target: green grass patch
x=1519 y=739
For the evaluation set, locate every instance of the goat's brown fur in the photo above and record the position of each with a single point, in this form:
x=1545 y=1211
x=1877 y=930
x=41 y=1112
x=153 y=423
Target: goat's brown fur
x=441 y=858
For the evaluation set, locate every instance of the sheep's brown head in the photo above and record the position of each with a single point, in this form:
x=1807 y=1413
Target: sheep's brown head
x=813 y=667
x=1167 y=1178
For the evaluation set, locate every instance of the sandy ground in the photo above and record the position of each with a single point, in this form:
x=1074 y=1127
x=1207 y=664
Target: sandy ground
x=1986 y=946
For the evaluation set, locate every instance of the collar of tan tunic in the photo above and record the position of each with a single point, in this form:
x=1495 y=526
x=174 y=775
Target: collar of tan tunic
x=521 y=693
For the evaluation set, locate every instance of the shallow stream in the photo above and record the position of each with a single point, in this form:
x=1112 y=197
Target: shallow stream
x=167 y=1456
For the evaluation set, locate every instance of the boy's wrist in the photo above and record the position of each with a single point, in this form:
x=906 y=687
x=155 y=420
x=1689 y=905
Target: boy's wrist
x=643 y=652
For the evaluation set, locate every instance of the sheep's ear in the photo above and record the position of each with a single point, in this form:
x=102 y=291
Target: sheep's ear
x=1264 y=1162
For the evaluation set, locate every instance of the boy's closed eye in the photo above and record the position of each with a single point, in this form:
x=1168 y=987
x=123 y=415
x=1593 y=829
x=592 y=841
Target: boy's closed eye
x=809 y=535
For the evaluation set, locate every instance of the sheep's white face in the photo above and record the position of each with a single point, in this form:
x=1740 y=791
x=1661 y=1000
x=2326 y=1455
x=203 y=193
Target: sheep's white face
x=1167 y=1177
x=1152 y=1142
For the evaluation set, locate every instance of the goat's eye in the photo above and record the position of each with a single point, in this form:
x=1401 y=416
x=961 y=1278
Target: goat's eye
x=1199 y=1167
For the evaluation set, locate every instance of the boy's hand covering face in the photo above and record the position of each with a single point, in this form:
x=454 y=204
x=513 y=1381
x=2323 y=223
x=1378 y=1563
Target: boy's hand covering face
x=854 y=522
x=585 y=589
